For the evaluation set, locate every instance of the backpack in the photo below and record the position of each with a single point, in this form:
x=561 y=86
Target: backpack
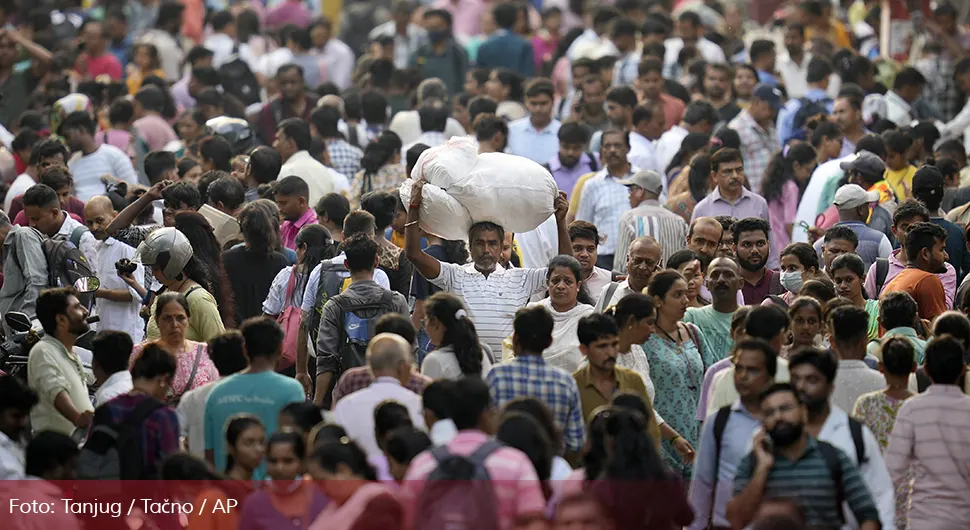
x=458 y=494
x=239 y=80
x=331 y=284
x=65 y=261
x=720 y=424
x=357 y=329
x=113 y=450
x=808 y=109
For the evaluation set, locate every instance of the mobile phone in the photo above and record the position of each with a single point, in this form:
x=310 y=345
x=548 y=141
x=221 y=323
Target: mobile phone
x=767 y=445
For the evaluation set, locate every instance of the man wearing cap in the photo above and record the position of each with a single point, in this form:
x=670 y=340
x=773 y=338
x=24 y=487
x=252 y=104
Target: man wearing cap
x=853 y=203
x=867 y=170
x=648 y=218
x=756 y=128
x=928 y=185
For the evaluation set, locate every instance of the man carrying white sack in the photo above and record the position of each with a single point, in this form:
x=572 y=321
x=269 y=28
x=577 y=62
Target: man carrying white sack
x=491 y=293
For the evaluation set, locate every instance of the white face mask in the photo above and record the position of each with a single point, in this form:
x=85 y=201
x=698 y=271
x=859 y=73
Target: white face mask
x=791 y=281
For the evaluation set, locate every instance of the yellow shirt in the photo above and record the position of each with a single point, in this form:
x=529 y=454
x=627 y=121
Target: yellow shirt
x=626 y=381
x=577 y=193
x=837 y=35
x=134 y=81
x=901 y=181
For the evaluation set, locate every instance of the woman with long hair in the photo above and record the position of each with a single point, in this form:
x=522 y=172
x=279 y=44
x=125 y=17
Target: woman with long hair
x=782 y=186
x=805 y=315
x=207 y=254
x=252 y=267
x=699 y=185
x=357 y=500
x=458 y=351
x=189 y=169
x=848 y=272
x=313 y=245
x=827 y=140
x=521 y=431
x=745 y=79
x=444 y=251
x=688 y=264
x=506 y=87
x=693 y=144
x=381 y=168
x=144 y=62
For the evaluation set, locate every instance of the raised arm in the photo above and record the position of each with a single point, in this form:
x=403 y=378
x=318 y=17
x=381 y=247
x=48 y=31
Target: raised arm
x=126 y=217
x=562 y=208
x=427 y=265
x=36 y=51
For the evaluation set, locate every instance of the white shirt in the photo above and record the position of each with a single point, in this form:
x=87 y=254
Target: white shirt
x=191 y=413
x=118 y=316
x=18 y=187
x=853 y=379
x=709 y=51
x=597 y=282
x=428 y=138
x=319 y=178
x=339 y=61
x=808 y=207
x=442 y=432
x=355 y=412
x=538 y=246
x=666 y=148
x=12 y=459
x=88 y=170
x=623 y=289
x=407 y=125
x=643 y=154
x=169 y=52
x=115 y=385
x=898 y=110
x=874 y=472
x=794 y=75
x=221 y=46
x=270 y=63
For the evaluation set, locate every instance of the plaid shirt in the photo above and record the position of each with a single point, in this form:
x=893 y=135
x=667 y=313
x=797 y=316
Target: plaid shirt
x=758 y=145
x=159 y=431
x=361 y=377
x=603 y=202
x=941 y=89
x=530 y=376
x=344 y=157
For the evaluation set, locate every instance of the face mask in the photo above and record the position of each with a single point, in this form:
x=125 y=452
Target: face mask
x=784 y=434
x=791 y=281
x=437 y=35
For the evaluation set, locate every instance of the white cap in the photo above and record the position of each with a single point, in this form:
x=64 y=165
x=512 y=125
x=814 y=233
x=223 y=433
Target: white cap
x=853 y=196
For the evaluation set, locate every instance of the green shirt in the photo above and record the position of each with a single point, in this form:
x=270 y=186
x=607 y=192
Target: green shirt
x=872 y=307
x=919 y=345
x=715 y=332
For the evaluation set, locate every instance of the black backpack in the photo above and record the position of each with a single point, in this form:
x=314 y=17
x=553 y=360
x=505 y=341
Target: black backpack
x=113 y=450
x=239 y=80
x=459 y=494
x=807 y=110
x=331 y=284
x=359 y=320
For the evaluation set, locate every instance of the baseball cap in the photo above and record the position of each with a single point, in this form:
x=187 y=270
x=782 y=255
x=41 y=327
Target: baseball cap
x=769 y=94
x=928 y=182
x=853 y=196
x=646 y=179
x=868 y=164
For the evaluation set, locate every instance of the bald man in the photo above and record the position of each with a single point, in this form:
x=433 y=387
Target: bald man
x=119 y=298
x=389 y=359
x=642 y=259
x=724 y=281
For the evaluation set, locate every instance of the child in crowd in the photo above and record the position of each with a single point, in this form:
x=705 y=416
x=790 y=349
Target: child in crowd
x=899 y=171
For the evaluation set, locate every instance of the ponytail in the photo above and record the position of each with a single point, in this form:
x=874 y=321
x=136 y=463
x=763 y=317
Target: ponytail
x=460 y=332
x=781 y=169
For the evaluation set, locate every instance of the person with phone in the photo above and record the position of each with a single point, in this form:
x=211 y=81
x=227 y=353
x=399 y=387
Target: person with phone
x=787 y=462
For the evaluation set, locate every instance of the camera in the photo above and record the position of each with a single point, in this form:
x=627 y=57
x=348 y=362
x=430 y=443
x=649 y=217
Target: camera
x=125 y=266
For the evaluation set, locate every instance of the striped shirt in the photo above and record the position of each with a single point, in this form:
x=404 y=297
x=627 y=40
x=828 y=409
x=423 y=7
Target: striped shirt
x=808 y=483
x=493 y=300
x=931 y=434
x=649 y=218
x=603 y=202
x=531 y=376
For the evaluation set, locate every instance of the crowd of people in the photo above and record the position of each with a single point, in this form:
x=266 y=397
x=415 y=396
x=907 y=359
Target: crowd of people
x=748 y=309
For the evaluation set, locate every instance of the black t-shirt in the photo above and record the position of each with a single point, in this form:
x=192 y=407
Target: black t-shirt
x=729 y=111
x=677 y=90
x=250 y=276
x=421 y=288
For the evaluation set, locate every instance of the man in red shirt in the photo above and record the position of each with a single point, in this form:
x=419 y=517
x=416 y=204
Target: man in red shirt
x=96 y=60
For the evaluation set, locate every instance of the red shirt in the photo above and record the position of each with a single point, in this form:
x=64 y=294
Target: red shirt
x=105 y=64
x=75 y=208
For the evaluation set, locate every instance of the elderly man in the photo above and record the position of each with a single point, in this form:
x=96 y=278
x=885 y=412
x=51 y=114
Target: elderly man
x=642 y=260
x=648 y=218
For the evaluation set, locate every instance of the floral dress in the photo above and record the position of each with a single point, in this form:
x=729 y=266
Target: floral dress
x=205 y=373
x=677 y=372
x=877 y=411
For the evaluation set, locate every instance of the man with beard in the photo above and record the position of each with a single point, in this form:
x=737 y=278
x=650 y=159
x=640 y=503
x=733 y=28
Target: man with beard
x=584 y=237
x=601 y=379
x=793 y=67
x=752 y=248
x=642 y=260
x=786 y=461
x=717 y=86
x=813 y=375
x=17 y=400
x=925 y=248
x=492 y=293
x=54 y=371
x=848 y=115
x=852 y=202
x=604 y=198
x=714 y=321
x=725 y=438
x=573 y=161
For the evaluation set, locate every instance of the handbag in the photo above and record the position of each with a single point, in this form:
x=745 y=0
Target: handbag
x=289 y=320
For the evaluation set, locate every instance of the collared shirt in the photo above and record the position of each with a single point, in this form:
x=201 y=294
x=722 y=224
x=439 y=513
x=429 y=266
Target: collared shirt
x=649 y=218
x=339 y=60
x=931 y=434
x=786 y=117
x=749 y=204
x=948 y=278
x=626 y=381
x=317 y=176
x=52 y=369
x=853 y=379
x=361 y=377
x=755 y=293
x=404 y=45
x=566 y=177
x=874 y=473
x=115 y=385
x=289 y=229
x=603 y=202
x=12 y=459
x=224 y=226
x=723 y=391
x=493 y=300
x=622 y=289
x=709 y=374
x=344 y=157
x=794 y=75
x=898 y=110
x=808 y=482
x=531 y=376
x=449 y=65
x=758 y=146
x=24 y=270
x=518 y=491
x=118 y=316
x=538 y=146
x=919 y=345
x=715 y=485
x=355 y=412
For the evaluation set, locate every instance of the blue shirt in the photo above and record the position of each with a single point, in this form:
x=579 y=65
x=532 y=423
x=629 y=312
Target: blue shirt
x=603 y=202
x=261 y=394
x=786 y=116
x=121 y=50
x=538 y=146
x=767 y=78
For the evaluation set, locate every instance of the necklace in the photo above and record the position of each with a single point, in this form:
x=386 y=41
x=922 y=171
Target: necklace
x=671 y=339
x=691 y=383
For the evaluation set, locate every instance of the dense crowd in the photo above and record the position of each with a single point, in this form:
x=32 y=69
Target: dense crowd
x=746 y=306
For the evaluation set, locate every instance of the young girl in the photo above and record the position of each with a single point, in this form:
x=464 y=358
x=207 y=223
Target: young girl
x=246 y=439
x=806 y=324
x=784 y=182
x=145 y=62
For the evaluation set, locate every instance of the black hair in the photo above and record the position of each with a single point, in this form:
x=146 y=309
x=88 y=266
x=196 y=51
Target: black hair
x=624 y=27
x=217 y=150
x=804 y=253
x=326 y=120
x=781 y=169
x=229 y=191
x=622 y=95
x=661 y=282
x=762 y=347
x=359 y=222
x=438 y=397
x=505 y=15
x=539 y=86
x=48 y=148
x=153 y=362
x=484 y=105
x=332 y=454
x=263 y=337
x=595 y=327
x=823 y=360
x=522 y=431
x=396 y=324
x=872 y=143
x=235 y=428
x=566 y=261
x=186 y=164
x=292 y=186
x=412 y=156
x=701 y=112
x=595 y=458
x=634 y=456
x=460 y=331
x=634 y=306
x=48 y=450
x=842 y=233
x=922 y=236
x=258 y=226
x=897 y=309
x=264 y=164
x=677 y=259
x=361 y=251
x=80 y=119
x=583 y=230
x=388 y=416
x=953 y=323
x=373 y=105
x=56 y=177
x=50 y=304
x=802 y=302
x=897 y=142
x=698 y=177
x=533 y=329
x=186 y=466
x=112 y=349
x=26 y=139
x=405 y=443
x=723 y=156
x=292 y=438
x=297 y=130
x=692 y=144
x=16 y=395
x=471 y=399
x=540 y=412
x=818 y=288
x=41 y=196
x=487 y=126
x=227 y=352
x=157 y=163
x=319 y=246
x=433 y=116
x=908 y=76
x=750 y=224
x=909 y=209
x=849 y=324
x=782 y=387
x=766 y=322
x=760 y=47
x=382 y=205
x=898 y=355
x=167 y=298
x=512 y=80
x=648 y=65
x=945 y=359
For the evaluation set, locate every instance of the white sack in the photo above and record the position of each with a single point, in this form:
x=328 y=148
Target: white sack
x=441 y=214
x=448 y=164
x=511 y=191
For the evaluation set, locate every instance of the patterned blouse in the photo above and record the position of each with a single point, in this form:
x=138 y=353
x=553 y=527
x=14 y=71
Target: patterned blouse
x=388 y=178
x=877 y=411
x=682 y=205
x=205 y=373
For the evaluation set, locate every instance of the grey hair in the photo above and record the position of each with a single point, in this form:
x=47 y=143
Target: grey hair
x=430 y=89
x=386 y=352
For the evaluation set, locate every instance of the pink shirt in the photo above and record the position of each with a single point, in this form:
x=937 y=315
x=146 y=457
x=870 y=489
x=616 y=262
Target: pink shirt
x=156 y=132
x=948 y=278
x=105 y=64
x=289 y=229
x=542 y=49
x=781 y=212
x=466 y=15
x=289 y=12
x=517 y=487
x=205 y=373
